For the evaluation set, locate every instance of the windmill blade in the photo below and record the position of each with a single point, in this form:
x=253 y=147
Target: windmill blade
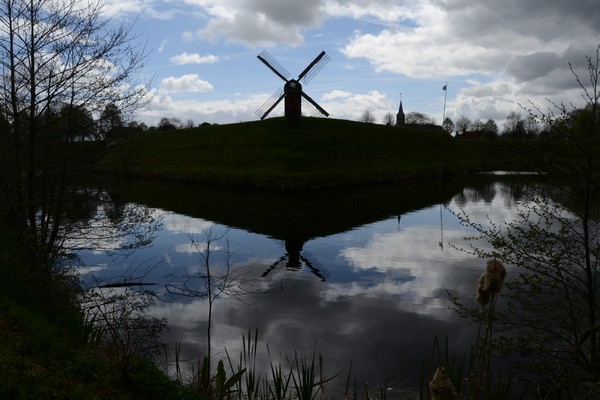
x=314 y=68
x=276 y=267
x=309 y=109
x=274 y=66
x=314 y=103
x=270 y=104
x=314 y=265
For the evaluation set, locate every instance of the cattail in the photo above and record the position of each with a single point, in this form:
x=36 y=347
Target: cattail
x=441 y=386
x=491 y=282
x=495 y=276
x=483 y=296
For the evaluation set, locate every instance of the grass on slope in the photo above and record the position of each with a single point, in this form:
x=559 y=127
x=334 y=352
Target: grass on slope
x=270 y=154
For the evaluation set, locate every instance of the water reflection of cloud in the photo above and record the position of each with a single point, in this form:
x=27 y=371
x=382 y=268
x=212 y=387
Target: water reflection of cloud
x=408 y=249
x=196 y=248
x=413 y=266
x=177 y=223
x=87 y=272
x=383 y=340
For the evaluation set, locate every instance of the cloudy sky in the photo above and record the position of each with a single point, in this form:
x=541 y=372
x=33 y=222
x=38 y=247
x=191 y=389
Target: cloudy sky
x=494 y=54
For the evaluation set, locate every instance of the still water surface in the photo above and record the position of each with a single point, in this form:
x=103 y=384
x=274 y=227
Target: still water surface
x=359 y=276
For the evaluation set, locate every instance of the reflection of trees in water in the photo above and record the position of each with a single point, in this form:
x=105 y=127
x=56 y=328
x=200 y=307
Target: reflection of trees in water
x=482 y=192
x=293 y=260
x=101 y=222
x=509 y=191
x=115 y=309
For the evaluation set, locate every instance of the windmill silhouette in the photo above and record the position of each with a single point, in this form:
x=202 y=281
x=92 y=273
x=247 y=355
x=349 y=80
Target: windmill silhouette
x=292 y=90
x=293 y=260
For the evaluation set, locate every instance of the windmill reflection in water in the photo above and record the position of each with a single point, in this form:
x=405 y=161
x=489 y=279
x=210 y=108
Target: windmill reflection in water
x=293 y=260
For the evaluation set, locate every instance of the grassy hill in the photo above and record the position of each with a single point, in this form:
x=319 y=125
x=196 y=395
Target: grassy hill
x=318 y=153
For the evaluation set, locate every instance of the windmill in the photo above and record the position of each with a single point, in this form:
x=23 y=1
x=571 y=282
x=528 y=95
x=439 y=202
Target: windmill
x=292 y=90
x=293 y=260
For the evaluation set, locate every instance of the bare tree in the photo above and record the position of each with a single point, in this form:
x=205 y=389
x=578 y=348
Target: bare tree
x=477 y=125
x=514 y=127
x=111 y=118
x=531 y=127
x=214 y=281
x=419 y=118
x=462 y=124
x=491 y=126
x=55 y=52
x=114 y=314
x=389 y=119
x=169 y=124
x=368 y=117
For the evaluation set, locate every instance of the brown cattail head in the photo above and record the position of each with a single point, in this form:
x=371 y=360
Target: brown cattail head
x=441 y=386
x=494 y=276
x=483 y=296
x=491 y=282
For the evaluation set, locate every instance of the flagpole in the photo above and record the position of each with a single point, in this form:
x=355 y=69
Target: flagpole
x=445 y=88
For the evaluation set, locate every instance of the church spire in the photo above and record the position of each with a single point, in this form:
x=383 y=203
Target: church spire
x=400 y=117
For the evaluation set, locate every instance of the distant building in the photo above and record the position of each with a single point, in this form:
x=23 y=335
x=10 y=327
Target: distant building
x=400 y=117
x=401 y=121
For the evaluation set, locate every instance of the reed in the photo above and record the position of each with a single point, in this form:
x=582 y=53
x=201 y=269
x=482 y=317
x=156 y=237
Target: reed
x=302 y=379
x=278 y=387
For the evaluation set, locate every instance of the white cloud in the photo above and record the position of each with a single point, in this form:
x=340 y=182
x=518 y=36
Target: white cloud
x=457 y=38
x=377 y=11
x=151 y=8
x=185 y=83
x=265 y=22
x=336 y=94
x=225 y=110
x=259 y=22
x=345 y=105
x=193 y=58
x=250 y=29
x=163 y=45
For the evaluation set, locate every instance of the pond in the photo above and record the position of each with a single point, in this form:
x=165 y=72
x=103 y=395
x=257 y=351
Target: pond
x=359 y=276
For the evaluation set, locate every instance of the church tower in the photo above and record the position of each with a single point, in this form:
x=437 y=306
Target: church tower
x=400 y=118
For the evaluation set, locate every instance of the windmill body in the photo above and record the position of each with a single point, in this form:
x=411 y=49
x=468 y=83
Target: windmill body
x=293 y=99
x=294 y=259
x=292 y=90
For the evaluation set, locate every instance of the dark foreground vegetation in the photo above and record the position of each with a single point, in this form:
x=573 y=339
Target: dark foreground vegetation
x=48 y=350
x=317 y=153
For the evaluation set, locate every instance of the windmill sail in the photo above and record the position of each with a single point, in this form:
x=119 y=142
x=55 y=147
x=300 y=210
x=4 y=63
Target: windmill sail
x=274 y=66
x=314 y=103
x=270 y=104
x=314 y=68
